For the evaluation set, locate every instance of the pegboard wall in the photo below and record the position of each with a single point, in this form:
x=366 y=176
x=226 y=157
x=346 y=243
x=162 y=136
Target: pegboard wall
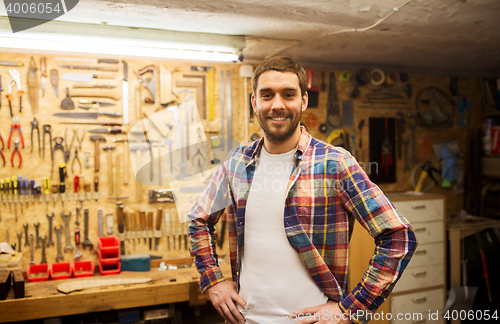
x=37 y=166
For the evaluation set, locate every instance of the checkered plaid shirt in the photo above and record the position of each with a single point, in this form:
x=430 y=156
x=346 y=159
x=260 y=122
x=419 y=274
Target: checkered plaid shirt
x=326 y=191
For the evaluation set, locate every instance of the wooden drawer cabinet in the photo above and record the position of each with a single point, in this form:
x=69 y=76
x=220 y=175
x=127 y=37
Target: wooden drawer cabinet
x=419 y=307
x=421 y=288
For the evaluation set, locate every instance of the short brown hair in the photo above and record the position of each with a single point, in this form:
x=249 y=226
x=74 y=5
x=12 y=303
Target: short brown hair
x=280 y=64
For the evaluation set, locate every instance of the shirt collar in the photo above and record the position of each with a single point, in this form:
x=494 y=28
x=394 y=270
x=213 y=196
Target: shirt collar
x=304 y=140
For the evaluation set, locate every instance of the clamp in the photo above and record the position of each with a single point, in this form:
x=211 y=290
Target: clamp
x=149 y=84
x=47 y=130
x=16 y=150
x=15 y=78
x=14 y=126
x=34 y=125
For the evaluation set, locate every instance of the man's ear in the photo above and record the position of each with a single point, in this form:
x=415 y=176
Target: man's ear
x=305 y=100
x=254 y=103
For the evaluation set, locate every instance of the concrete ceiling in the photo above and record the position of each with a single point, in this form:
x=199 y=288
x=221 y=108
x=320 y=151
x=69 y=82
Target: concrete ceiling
x=432 y=36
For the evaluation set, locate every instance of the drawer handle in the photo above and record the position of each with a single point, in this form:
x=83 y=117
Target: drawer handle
x=421 y=229
x=419 y=274
x=421 y=252
x=419 y=300
x=418 y=207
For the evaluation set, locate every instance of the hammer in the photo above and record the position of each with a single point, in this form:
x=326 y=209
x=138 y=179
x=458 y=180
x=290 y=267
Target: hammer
x=109 y=148
x=97 y=139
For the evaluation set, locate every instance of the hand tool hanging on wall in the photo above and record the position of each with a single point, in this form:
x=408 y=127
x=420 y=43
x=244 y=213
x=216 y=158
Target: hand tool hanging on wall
x=66 y=218
x=62 y=183
x=88 y=115
x=167 y=97
x=83 y=67
x=150 y=229
x=86 y=242
x=85 y=77
x=120 y=221
x=333 y=108
x=93 y=86
x=73 y=163
x=159 y=217
x=15 y=125
x=97 y=139
x=57 y=146
x=149 y=84
x=109 y=130
x=90 y=60
x=47 y=130
x=54 y=81
x=100 y=94
x=125 y=94
x=101 y=104
x=16 y=150
x=142 y=215
x=26 y=189
x=15 y=78
x=34 y=125
x=20 y=185
x=14 y=193
x=4 y=193
x=1 y=154
x=46 y=191
x=43 y=73
x=8 y=190
x=111 y=181
x=11 y=63
x=59 y=243
x=67 y=103
x=32 y=86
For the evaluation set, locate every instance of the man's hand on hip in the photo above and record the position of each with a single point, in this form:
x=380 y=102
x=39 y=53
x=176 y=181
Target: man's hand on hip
x=223 y=295
x=328 y=313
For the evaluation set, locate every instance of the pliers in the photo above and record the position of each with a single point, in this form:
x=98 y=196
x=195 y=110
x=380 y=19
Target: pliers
x=34 y=125
x=15 y=125
x=77 y=159
x=16 y=78
x=1 y=153
x=16 y=149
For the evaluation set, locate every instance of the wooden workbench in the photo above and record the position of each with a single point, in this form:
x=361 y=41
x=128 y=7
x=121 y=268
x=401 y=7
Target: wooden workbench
x=43 y=300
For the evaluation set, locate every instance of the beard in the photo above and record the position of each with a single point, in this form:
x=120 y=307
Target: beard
x=279 y=133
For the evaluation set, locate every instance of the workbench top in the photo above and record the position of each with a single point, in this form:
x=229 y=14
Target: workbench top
x=43 y=300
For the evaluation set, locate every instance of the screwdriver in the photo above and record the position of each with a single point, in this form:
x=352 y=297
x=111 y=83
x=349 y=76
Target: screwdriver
x=62 y=176
x=7 y=189
x=14 y=193
x=46 y=191
x=21 y=185
x=76 y=186
x=32 y=187
x=55 y=190
x=27 y=189
x=96 y=185
x=2 y=188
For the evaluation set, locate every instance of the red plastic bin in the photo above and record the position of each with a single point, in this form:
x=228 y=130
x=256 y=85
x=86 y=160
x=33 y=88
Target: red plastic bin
x=109 y=243
x=83 y=269
x=60 y=271
x=38 y=272
x=110 y=269
x=108 y=257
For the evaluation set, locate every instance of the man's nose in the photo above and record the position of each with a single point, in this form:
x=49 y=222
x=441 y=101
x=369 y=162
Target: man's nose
x=278 y=102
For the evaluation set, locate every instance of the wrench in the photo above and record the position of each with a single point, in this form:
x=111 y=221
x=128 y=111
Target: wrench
x=413 y=128
x=100 y=224
x=86 y=242
x=50 y=218
x=43 y=240
x=19 y=237
x=78 y=253
x=59 y=232
x=26 y=243
x=68 y=235
x=406 y=142
x=32 y=250
x=37 y=226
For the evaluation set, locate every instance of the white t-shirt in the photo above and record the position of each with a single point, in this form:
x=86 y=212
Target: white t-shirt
x=273 y=278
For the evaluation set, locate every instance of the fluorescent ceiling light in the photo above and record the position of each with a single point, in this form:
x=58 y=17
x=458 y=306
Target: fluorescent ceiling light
x=58 y=36
x=116 y=46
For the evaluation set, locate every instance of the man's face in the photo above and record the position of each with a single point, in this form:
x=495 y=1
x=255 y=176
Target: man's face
x=278 y=104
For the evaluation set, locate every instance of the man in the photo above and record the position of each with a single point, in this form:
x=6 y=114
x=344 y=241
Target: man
x=291 y=201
